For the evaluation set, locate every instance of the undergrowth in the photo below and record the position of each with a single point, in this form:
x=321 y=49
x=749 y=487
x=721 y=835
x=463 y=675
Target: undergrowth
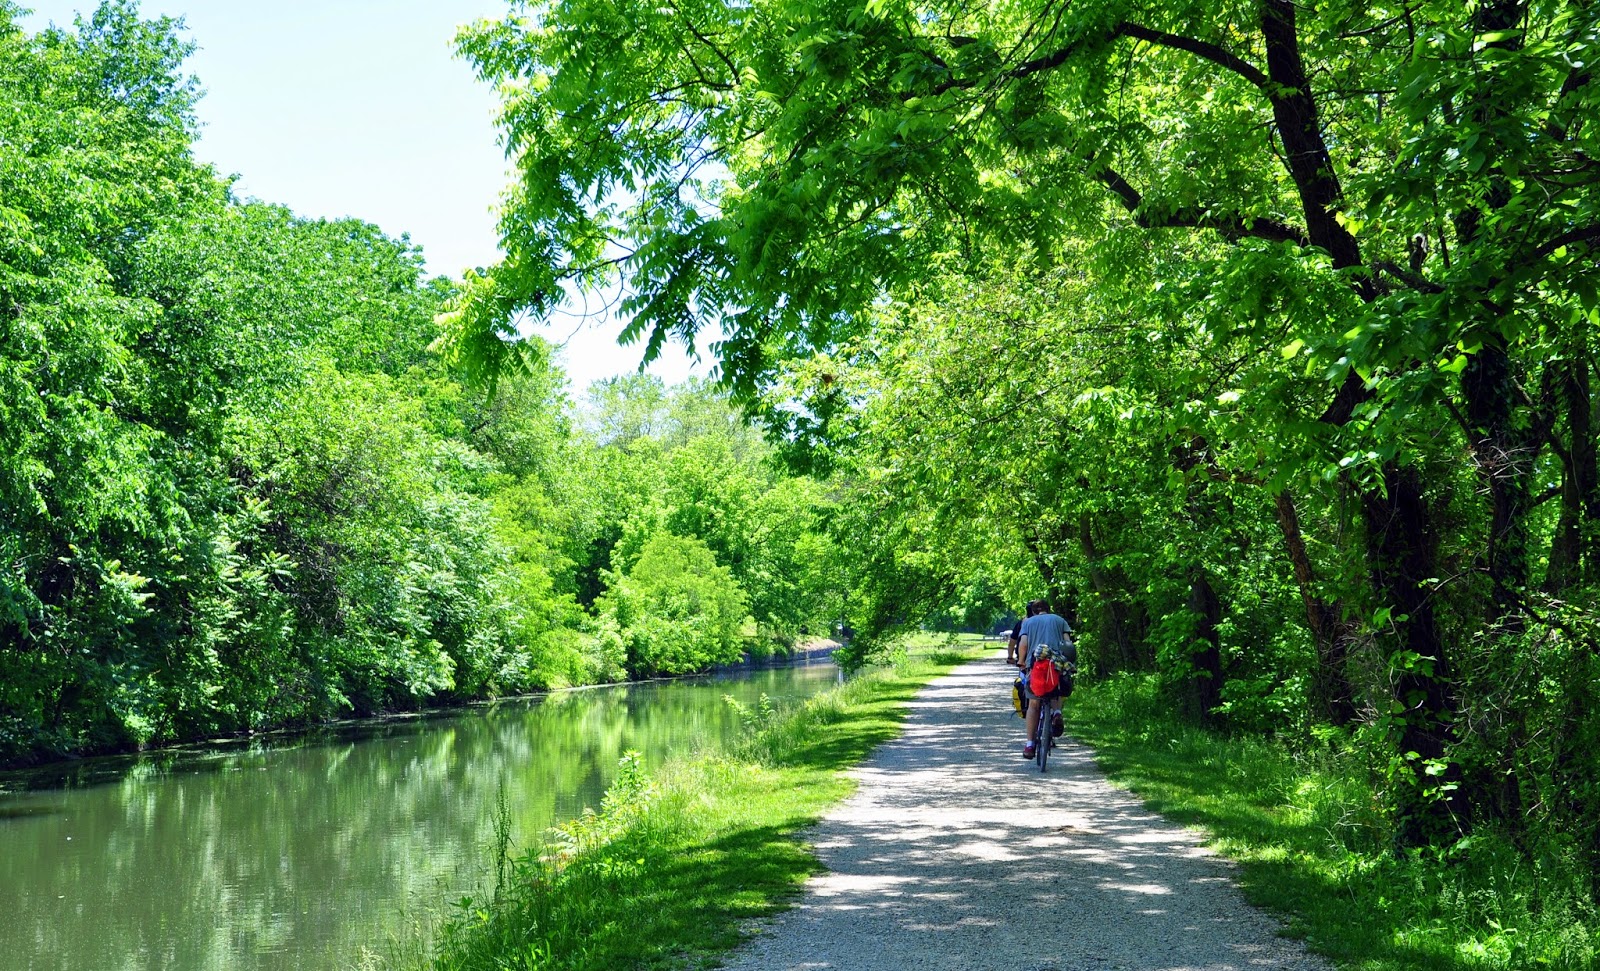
x=1316 y=848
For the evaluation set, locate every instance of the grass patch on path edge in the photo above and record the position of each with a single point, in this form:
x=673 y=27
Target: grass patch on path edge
x=674 y=866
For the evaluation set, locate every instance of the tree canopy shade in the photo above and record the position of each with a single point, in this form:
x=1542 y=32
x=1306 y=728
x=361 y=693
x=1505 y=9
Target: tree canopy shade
x=779 y=164
x=1386 y=216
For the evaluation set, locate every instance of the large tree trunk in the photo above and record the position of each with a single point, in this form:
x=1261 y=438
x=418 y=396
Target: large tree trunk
x=1400 y=551
x=1585 y=461
x=1332 y=697
x=1504 y=449
x=1579 y=528
x=1503 y=444
x=1568 y=551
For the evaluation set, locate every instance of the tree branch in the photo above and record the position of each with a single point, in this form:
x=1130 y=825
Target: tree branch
x=1343 y=406
x=1412 y=280
x=1232 y=227
x=1210 y=52
x=1205 y=51
x=1586 y=234
x=727 y=62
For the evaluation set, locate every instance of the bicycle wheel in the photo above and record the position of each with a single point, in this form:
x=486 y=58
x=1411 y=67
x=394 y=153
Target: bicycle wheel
x=1041 y=737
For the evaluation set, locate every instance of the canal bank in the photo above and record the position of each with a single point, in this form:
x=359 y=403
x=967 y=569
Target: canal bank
x=679 y=862
x=809 y=651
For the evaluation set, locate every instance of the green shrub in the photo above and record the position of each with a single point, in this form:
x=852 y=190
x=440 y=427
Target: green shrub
x=675 y=610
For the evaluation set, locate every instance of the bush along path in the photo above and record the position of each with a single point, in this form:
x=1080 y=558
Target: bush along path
x=954 y=853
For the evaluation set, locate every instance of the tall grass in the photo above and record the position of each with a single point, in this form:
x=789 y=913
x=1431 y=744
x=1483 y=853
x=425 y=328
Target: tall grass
x=671 y=868
x=1315 y=847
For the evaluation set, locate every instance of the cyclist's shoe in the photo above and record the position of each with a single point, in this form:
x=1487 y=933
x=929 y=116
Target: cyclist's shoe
x=1027 y=751
x=1056 y=725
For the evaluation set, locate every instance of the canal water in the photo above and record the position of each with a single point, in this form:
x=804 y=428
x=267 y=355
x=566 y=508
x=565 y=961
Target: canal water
x=310 y=853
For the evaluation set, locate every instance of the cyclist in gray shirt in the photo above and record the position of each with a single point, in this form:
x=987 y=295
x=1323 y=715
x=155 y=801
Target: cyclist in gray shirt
x=1043 y=629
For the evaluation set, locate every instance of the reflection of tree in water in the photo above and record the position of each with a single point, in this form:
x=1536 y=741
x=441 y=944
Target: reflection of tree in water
x=296 y=853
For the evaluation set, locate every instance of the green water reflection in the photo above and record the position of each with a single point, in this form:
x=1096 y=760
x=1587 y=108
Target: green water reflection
x=300 y=854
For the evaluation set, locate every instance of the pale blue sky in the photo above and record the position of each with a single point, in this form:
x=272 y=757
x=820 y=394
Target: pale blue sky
x=360 y=108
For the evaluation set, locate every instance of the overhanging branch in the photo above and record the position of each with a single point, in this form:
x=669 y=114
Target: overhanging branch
x=1205 y=51
x=1586 y=234
x=1232 y=226
x=1412 y=280
x=1210 y=52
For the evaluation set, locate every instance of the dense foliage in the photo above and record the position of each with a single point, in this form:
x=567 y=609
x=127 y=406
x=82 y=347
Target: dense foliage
x=238 y=491
x=1260 y=334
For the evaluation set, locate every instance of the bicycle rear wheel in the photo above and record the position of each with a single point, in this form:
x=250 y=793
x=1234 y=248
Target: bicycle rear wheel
x=1041 y=737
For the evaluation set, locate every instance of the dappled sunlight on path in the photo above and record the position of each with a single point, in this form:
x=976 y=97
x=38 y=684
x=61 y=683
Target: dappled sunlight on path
x=957 y=854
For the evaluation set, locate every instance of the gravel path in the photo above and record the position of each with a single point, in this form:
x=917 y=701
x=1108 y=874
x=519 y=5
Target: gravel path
x=943 y=859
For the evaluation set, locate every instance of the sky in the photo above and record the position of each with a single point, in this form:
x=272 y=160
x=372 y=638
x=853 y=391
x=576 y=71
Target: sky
x=359 y=108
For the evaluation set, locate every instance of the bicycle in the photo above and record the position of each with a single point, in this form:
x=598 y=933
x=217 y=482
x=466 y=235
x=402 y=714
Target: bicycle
x=1044 y=736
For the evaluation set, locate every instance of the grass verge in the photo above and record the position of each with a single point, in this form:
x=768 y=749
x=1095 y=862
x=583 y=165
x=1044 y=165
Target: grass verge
x=1315 y=849
x=670 y=870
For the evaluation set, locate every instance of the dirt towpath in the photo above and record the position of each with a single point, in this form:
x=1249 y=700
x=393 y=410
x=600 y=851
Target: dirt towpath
x=957 y=854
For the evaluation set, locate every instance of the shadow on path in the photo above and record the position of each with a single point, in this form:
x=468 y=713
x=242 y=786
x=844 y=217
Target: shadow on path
x=957 y=854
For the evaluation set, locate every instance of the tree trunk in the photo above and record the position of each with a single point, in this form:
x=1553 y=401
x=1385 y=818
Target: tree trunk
x=1502 y=428
x=1585 y=457
x=1504 y=450
x=1332 y=697
x=1571 y=550
x=1401 y=554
